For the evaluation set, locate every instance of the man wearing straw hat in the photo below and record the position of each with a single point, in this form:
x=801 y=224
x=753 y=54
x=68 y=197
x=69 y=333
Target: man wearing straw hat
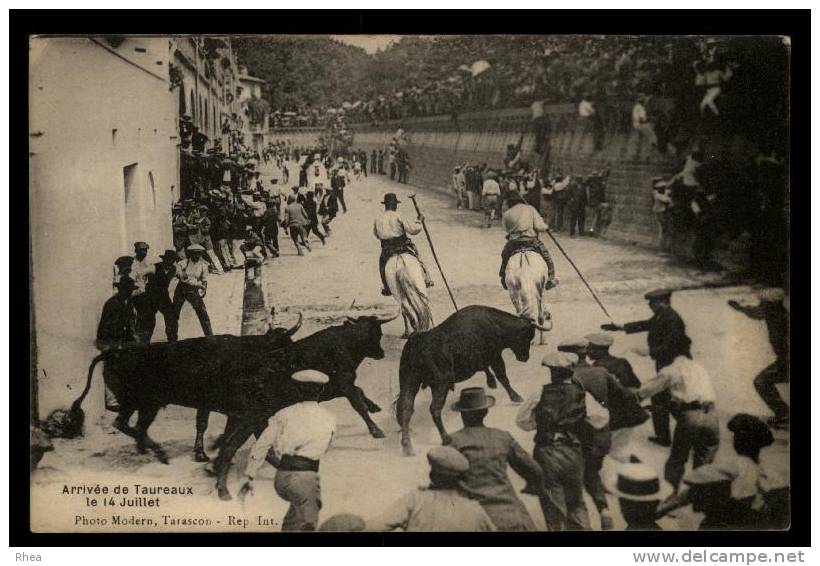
x=489 y=451
x=639 y=491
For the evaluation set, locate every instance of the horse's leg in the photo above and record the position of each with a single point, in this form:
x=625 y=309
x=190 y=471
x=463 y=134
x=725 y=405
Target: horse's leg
x=500 y=370
x=351 y=392
x=202 y=416
x=440 y=389
x=232 y=443
x=407 y=399
x=146 y=417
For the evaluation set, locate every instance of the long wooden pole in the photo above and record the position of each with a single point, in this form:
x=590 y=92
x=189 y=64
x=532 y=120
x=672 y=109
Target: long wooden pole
x=433 y=250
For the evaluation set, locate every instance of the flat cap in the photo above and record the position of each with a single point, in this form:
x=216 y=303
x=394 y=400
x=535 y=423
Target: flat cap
x=658 y=294
x=343 y=523
x=570 y=344
x=310 y=376
x=448 y=458
x=140 y=245
x=599 y=339
x=559 y=360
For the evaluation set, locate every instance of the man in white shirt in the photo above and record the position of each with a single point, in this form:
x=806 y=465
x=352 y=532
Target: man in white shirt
x=693 y=406
x=392 y=230
x=193 y=284
x=141 y=270
x=641 y=123
x=523 y=224
x=299 y=435
x=490 y=194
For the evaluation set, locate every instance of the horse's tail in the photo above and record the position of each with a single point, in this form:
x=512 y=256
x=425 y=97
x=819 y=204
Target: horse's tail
x=526 y=280
x=412 y=293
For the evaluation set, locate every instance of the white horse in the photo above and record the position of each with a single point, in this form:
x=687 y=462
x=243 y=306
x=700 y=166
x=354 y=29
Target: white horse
x=526 y=277
x=405 y=279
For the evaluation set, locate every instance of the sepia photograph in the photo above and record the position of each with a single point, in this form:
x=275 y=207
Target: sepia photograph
x=409 y=283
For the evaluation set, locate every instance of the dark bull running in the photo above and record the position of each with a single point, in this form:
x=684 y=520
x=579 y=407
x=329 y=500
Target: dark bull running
x=243 y=377
x=469 y=341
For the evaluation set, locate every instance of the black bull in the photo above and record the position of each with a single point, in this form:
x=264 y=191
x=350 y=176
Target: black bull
x=241 y=377
x=469 y=341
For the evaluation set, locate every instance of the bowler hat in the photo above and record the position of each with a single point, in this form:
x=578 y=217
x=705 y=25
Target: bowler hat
x=390 y=198
x=140 y=246
x=473 y=399
x=599 y=339
x=448 y=458
x=124 y=261
x=195 y=248
x=637 y=482
x=658 y=294
x=170 y=253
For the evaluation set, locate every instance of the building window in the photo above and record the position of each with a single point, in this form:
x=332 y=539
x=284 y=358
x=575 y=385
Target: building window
x=129 y=173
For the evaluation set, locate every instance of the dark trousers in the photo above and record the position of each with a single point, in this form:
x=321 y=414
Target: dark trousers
x=187 y=293
x=297 y=234
x=392 y=171
x=660 y=416
x=364 y=169
x=340 y=197
x=596 y=445
x=563 y=466
x=765 y=382
x=303 y=491
x=373 y=166
x=271 y=238
x=577 y=217
x=558 y=213
x=147 y=317
x=314 y=228
x=696 y=431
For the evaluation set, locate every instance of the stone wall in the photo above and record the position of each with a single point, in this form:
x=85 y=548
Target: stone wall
x=438 y=143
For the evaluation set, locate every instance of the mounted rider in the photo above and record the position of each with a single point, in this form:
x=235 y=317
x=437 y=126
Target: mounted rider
x=522 y=224
x=392 y=230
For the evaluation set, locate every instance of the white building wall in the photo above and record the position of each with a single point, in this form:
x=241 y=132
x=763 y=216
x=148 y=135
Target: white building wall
x=92 y=114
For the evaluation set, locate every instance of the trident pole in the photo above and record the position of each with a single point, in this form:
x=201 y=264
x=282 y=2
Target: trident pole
x=578 y=271
x=432 y=249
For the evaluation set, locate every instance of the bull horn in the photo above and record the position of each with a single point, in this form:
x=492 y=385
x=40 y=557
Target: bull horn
x=383 y=320
x=296 y=326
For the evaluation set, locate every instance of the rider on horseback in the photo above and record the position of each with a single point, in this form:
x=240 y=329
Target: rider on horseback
x=392 y=230
x=522 y=224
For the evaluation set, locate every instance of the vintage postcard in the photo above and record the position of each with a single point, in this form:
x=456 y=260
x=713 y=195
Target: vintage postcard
x=383 y=283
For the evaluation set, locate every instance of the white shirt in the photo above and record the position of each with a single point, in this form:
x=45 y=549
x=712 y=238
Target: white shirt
x=638 y=115
x=140 y=271
x=392 y=225
x=304 y=429
x=686 y=380
x=490 y=187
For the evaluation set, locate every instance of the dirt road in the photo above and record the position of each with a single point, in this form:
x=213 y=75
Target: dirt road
x=363 y=475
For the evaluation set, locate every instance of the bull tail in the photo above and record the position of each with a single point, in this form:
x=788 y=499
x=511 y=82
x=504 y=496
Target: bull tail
x=69 y=424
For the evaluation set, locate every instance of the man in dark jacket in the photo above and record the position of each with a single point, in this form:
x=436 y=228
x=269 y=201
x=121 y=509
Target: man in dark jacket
x=373 y=161
x=667 y=340
x=771 y=310
x=625 y=413
x=577 y=206
x=311 y=208
x=489 y=451
x=557 y=414
x=118 y=326
x=158 y=298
